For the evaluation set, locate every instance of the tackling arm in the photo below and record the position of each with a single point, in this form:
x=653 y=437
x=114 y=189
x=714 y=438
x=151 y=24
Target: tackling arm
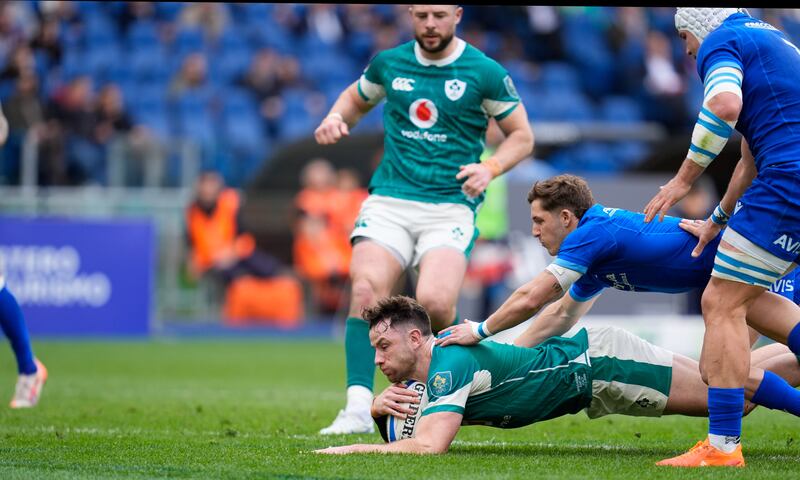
x=520 y=306
x=555 y=320
x=435 y=433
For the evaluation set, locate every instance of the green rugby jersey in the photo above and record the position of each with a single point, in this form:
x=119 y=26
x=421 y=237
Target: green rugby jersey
x=434 y=119
x=507 y=386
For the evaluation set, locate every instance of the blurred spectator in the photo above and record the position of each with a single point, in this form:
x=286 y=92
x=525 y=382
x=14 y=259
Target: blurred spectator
x=545 y=26
x=664 y=86
x=192 y=75
x=21 y=60
x=48 y=42
x=321 y=244
x=13 y=29
x=257 y=286
x=350 y=197
x=73 y=108
x=211 y=18
x=134 y=156
x=324 y=22
x=219 y=244
x=24 y=111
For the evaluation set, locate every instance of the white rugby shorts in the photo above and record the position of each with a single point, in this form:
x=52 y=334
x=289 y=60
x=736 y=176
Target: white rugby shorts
x=409 y=228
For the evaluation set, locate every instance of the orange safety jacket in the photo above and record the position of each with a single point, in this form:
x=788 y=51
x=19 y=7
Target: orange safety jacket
x=211 y=234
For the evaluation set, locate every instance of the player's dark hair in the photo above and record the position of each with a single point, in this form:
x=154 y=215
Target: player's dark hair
x=563 y=191
x=399 y=310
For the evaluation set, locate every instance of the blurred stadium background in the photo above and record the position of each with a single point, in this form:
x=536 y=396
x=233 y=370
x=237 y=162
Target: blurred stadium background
x=117 y=108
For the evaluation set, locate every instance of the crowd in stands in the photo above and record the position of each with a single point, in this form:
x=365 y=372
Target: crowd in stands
x=237 y=80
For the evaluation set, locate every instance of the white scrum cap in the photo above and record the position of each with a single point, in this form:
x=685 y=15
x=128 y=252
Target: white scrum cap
x=702 y=21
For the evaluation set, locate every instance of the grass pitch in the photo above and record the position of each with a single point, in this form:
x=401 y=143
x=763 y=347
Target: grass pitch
x=251 y=409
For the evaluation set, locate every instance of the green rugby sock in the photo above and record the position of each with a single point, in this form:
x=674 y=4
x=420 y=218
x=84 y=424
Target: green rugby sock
x=359 y=354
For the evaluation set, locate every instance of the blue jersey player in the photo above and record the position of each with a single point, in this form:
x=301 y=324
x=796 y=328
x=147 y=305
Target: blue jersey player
x=32 y=373
x=750 y=71
x=598 y=247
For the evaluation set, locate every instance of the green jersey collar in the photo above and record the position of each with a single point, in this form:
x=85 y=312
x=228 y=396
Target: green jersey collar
x=460 y=46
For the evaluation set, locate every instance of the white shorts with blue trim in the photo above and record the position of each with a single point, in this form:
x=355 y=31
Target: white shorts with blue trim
x=747 y=262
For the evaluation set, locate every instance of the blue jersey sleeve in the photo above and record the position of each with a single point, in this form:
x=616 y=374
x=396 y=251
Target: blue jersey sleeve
x=584 y=246
x=585 y=289
x=720 y=49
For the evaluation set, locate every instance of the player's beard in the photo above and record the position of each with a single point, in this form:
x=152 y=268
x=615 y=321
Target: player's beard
x=443 y=43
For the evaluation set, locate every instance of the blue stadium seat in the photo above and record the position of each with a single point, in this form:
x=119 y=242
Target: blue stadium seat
x=242 y=133
x=565 y=106
x=188 y=40
x=629 y=154
x=559 y=76
x=150 y=63
x=148 y=106
x=620 y=109
x=169 y=11
x=142 y=34
x=241 y=121
x=193 y=115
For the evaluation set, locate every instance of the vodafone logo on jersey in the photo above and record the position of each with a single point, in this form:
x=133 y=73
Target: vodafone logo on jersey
x=423 y=113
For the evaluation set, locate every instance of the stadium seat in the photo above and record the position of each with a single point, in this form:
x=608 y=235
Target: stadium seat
x=620 y=109
x=142 y=34
x=193 y=115
x=150 y=63
x=188 y=40
x=148 y=106
x=559 y=76
x=565 y=106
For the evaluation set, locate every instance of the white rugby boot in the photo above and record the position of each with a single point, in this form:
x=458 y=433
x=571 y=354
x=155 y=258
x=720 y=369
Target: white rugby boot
x=29 y=387
x=356 y=417
x=348 y=422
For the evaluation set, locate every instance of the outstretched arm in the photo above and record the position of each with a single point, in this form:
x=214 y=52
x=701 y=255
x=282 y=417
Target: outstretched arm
x=435 y=433
x=555 y=320
x=520 y=306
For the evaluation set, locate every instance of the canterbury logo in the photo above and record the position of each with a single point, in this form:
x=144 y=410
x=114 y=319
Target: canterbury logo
x=403 y=84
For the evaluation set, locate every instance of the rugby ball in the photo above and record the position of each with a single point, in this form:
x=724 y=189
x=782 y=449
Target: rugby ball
x=397 y=429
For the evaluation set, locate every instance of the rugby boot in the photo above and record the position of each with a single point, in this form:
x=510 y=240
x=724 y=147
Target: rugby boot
x=705 y=455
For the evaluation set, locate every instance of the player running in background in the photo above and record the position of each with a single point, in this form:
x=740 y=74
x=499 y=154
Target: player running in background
x=439 y=93
x=598 y=247
x=750 y=71
x=602 y=370
x=32 y=373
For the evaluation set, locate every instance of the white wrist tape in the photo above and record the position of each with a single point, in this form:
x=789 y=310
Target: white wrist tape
x=480 y=330
x=711 y=133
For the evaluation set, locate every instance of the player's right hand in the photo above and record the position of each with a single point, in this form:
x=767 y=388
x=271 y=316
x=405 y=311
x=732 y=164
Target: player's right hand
x=704 y=230
x=391 y=401
x=668 y=195
x=331 y=130
x=461 y=334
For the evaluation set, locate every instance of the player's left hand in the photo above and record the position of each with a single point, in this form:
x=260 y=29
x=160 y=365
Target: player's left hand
x=669 y=195
x=477 y=177
x=461 y=334
x=342 y=450
x=704 y=230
